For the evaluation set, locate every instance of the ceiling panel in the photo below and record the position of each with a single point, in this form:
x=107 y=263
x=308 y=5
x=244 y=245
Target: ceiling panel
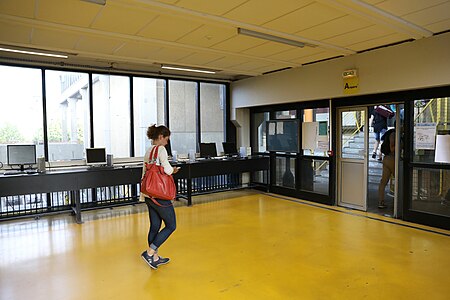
x=403 y=7
x=361 y=35
x=306 y=17
x=227 y=62
x=14 y=33
x=334 y=28
x=115 y=18
x=295 y=53
x=10 y=7
x=169 y=28
x=98 y=45
x=55 y=38
x=167 y=55
x=207 y=36
x=239 y=43
x=267 y=49
x=252 y=65
x=258 y=12
x=198 y=59
x=315 y=57
x=210 y=7
x=70 y=12
x=269 y=68
x=439 y=26
x=138 y=50
x=373 y=43
x=431 y=15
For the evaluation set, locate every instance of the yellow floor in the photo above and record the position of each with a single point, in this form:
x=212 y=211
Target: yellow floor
x=245 y=245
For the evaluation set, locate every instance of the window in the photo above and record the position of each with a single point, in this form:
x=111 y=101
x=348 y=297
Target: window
x=259 y=133
x=21 y=102
x=149 y=108
x=212 y=103
x=182 y=115
x=315 y=121
x=111 y=113
x=68 y=122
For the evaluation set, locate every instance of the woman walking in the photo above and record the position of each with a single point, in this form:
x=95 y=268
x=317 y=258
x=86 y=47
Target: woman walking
x=158 y=210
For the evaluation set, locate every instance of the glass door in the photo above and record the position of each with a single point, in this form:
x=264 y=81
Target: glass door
x=352 y=158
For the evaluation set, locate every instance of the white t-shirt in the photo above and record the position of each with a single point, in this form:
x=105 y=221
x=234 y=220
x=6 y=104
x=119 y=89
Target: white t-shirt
x=161 y=160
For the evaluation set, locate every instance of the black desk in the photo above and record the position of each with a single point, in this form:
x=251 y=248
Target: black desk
x=211 y=167
x=74 y=180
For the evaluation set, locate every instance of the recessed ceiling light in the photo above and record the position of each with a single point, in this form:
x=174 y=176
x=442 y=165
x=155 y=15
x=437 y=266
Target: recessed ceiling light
x=33 y=52
x=271 y=38
x=100 y=2
x=187 y=69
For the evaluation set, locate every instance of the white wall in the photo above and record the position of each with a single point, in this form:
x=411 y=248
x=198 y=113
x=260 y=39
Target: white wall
x=411 y=65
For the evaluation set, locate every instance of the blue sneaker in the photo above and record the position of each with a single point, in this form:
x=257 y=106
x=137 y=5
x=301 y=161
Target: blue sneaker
x=149 y=260
x=162 y=260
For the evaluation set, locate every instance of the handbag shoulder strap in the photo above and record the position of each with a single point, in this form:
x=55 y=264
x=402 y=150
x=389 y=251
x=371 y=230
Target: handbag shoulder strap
x=153 y=154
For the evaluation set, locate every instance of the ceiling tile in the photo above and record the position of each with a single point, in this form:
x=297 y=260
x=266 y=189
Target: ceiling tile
x=137 y=50
x=207 y=35
x=334 y=28
x=251 y=65
x=169 y=55
x=315 y=57
x=96 y=44
x=430 y=15
x=210 y=7
x=269 y=68
x=168 y=28
x=258 y=12
x=267 y=49
x=438 y=26
x=304 y=18
x=14 y=33
x=227 y=62
x=403 y=7
x=70 y=12
x=238 y=43
x=114 y=18
x=10 y=7
x=295 y=53
x=55 y=38
x=376 y=42
x=197 y=59
x=360 y=35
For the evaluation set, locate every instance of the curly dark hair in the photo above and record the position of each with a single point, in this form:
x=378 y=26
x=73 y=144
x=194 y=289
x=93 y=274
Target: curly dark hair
x=154 y=131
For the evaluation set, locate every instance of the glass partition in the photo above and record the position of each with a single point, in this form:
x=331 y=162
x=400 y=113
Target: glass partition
x=68 y=116
x=212 y=114
x=182 y=115
x=148 y=107
x=111 y=113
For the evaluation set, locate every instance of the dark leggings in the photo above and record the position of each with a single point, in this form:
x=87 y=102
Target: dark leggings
x=157 y=214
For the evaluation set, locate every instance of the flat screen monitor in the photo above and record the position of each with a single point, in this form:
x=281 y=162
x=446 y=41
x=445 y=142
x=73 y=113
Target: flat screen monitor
x=229 y=148
x=95 y=156
x=208 y=150
x=21 y=155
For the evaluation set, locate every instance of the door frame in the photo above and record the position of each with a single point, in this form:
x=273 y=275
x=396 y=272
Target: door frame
x=340 y=160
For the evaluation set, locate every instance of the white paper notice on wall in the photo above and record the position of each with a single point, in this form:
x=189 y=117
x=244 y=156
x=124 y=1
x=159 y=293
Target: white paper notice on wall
x=271 y=128
x=280 y=128
x=425 y=136
x=442 y=153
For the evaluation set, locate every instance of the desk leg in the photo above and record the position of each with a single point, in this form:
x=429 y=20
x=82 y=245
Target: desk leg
x=77 y=209
x=189 y=191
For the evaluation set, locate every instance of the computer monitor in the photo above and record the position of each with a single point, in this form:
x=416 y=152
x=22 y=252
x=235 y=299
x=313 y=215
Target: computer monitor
x=95 y=156
x=208 y=150
x=229 y=148
x=169 y=148
x=21 y=155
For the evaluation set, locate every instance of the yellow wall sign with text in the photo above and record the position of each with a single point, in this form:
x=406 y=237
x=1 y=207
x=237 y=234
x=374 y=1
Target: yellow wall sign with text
x=351 y=85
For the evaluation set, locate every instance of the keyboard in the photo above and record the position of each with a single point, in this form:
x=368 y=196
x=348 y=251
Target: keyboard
x=18 y=172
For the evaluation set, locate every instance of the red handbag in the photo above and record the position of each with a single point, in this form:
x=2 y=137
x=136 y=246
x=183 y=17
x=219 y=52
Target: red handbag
x=155 y=183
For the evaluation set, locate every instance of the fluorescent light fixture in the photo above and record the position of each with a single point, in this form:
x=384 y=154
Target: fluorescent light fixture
x=100 y=2
x=187 y=69
x=33 y=52
x=270 y=37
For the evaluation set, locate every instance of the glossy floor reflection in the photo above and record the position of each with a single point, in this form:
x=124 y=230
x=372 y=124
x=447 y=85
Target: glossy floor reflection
x=235 y=245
